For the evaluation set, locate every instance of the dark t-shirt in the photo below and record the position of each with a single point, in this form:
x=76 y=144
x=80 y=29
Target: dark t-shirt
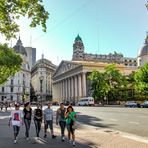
x=27 y=114
x=38 y=113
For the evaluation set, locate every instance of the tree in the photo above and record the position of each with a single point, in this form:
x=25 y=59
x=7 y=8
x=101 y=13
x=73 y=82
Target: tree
x=115 y=81
x=12 y=10
x=141 y=80
x=10 y=63
x=99 y=86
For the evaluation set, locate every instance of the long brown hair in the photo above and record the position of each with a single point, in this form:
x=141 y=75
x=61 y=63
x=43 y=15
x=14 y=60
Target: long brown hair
x=70 y=106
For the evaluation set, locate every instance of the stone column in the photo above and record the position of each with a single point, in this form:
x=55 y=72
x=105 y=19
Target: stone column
x=62 y=90
x=69 y=89
x=80 y=85
x=57 y=90
x=64 y=96
x=76 y=87
x=72 y=89
x=65 y=89
x=84 y=84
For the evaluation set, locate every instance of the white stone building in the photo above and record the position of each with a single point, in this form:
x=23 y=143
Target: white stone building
x=17 y=88
x=143 y=54
x=31 y=52
x=41 y=80
x=80 y=55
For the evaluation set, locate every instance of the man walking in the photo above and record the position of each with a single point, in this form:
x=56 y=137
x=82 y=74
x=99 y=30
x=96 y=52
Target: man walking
x=48 y=120
x=60 y=119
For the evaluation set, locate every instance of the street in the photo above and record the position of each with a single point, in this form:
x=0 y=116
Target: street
x=129 y=120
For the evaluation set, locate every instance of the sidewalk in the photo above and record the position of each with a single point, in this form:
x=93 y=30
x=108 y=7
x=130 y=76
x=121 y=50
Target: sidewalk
x=86 y=137
x=106 y=138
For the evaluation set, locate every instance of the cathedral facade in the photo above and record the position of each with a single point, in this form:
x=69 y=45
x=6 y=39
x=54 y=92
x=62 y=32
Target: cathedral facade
x=70 y=81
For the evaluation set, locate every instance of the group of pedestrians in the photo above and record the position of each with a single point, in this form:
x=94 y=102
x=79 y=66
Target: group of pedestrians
x=65 y=117
x=4 y=105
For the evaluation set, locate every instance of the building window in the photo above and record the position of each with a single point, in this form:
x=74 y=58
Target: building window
x=3 y=97
x=11 y=81
x=3 y=89
x=11 y=98
x=11 y=89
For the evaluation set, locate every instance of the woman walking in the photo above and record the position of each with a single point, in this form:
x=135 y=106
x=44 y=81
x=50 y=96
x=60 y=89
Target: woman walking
x=38 y=116
x=16 y=119
x=70 y=116
x=27 y=118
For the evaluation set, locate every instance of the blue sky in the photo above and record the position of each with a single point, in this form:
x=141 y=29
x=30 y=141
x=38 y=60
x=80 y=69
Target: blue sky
x=104 y=25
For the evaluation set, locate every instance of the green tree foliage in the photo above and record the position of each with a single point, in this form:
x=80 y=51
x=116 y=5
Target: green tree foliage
x=115 y=81
x=141 y=80
x=107 y=83
x=12 y=10
x=113 y=77
x=98 y=85
x=10 y=63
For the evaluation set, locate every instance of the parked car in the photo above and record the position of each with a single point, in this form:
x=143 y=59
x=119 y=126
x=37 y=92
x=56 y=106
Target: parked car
x=89 y=101
x=145 y=104
x=131 y=104
x=33 y=103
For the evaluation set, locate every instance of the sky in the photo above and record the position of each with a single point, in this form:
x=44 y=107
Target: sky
x=105 y=26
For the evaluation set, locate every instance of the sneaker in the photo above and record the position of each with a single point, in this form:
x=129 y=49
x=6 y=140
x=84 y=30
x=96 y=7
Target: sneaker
x=53 y=136
x=45 y=136
x=74 y=143
x=63 y=139
x=37 y=138
x=69 y=141
x=15 y=141
x=27 y=138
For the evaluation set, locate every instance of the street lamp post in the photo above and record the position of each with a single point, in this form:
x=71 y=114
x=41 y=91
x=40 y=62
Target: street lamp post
x=41 y=88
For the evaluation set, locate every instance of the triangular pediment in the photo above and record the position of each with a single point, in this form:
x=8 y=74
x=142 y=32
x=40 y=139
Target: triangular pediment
x=65 y=66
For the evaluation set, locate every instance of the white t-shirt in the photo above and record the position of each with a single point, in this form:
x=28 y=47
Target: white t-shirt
x=16 y=116
x=48 y=114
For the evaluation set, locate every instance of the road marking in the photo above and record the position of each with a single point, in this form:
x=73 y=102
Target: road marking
x=4 y=117
x=134 y=123
x=143 y=116
x=113 y=119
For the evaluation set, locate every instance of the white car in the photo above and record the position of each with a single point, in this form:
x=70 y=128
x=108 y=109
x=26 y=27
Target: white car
x=89 y=101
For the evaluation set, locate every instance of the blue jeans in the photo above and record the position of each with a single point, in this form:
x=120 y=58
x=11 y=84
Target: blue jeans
x=27 y=125
x=37 y=126
x=62 y=126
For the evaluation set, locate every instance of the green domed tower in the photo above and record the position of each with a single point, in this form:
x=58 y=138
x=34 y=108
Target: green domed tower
x=78 y=49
